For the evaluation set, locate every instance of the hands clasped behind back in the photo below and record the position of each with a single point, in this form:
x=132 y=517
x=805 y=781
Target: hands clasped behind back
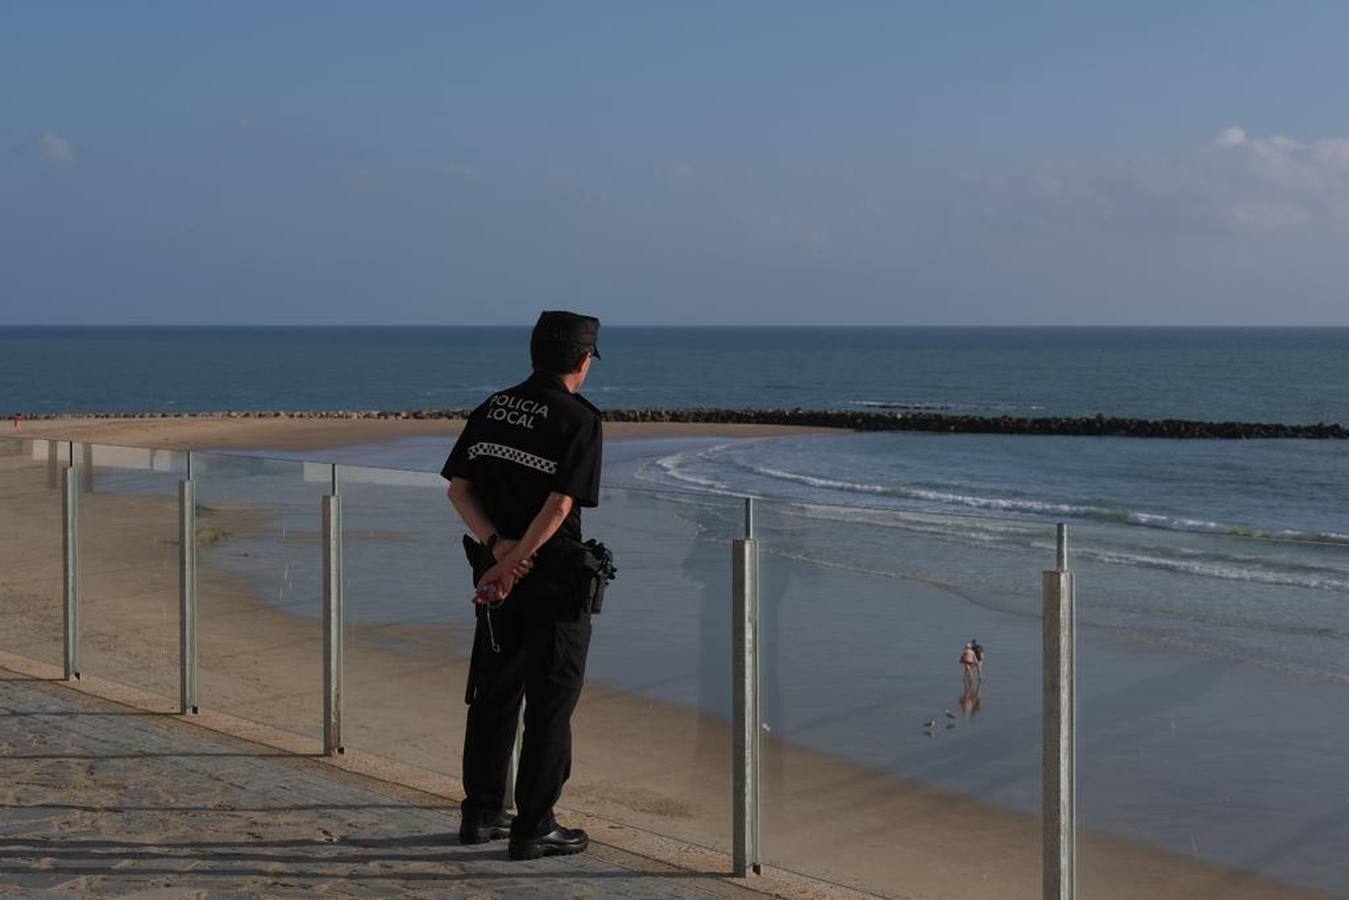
x=498 y=581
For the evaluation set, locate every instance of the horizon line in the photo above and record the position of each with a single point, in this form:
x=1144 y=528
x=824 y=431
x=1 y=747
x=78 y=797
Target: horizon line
x=813 y=326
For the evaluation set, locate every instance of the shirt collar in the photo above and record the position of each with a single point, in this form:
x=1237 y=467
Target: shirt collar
x=546 y=379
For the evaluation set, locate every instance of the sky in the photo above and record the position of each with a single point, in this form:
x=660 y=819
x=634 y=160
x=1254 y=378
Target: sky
x=895 y=163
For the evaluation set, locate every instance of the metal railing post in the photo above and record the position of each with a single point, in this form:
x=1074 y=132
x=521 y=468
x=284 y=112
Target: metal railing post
x=514 y=768
x=53 y=465
x=187 y=594
x=70 y=569
x=86 y=468
x=1060 y=729
x=332 y=625
x=745 y=697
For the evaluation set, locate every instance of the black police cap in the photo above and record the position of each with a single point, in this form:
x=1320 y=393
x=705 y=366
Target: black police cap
x=560 y=325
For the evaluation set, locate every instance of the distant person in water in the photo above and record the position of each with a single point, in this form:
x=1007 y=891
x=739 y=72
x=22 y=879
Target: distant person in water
x=969 y=663
x=978 y=649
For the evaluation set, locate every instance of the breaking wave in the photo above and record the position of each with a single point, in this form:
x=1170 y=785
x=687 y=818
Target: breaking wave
x=1048 y=508
x=938 y=406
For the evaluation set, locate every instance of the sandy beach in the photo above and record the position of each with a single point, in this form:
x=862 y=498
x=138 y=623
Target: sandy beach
x=646 y=763
x=284 y=433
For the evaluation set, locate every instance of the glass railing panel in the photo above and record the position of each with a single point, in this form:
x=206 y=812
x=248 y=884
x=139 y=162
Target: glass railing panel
x=653 y=736
x=31 y=589
x=1212 y=708
x=260 y=588
x=408 y=617
x=128 y=564
x=886 y=767
x=652 y=732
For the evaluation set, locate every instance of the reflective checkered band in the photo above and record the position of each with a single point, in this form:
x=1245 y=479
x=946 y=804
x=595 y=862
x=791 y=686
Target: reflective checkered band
x=510 y=454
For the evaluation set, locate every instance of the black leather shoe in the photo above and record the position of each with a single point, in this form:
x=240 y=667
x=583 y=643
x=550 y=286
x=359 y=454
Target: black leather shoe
x=558 y=842
x=482 y=832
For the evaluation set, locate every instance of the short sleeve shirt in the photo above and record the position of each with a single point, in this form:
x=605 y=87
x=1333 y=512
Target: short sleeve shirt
x=526 y=442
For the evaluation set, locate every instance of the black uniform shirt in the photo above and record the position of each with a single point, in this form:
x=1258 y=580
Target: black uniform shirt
x=525 y=442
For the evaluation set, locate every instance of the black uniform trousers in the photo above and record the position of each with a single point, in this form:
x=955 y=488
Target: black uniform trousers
x=541 y=660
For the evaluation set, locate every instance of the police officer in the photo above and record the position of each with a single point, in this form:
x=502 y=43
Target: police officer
x=526 y=462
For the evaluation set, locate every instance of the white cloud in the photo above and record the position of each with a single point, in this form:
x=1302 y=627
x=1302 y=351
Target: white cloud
x=1238 y=183
x=57 y=149
x=779 y=226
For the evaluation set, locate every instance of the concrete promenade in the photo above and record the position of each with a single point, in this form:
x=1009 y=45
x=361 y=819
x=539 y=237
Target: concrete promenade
x=101 y=799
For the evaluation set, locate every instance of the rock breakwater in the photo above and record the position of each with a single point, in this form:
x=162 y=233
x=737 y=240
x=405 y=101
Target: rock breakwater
x=1099 y=425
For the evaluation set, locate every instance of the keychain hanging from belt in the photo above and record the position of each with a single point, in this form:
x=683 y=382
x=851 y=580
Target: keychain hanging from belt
x=487 y=614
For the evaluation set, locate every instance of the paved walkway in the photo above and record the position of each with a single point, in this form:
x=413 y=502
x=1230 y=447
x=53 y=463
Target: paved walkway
x=100 y=799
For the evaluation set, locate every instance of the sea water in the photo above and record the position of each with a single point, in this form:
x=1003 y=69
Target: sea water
x=1296 y=375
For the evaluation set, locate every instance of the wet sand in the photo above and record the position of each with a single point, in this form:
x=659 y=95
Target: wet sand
x=641 y=762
